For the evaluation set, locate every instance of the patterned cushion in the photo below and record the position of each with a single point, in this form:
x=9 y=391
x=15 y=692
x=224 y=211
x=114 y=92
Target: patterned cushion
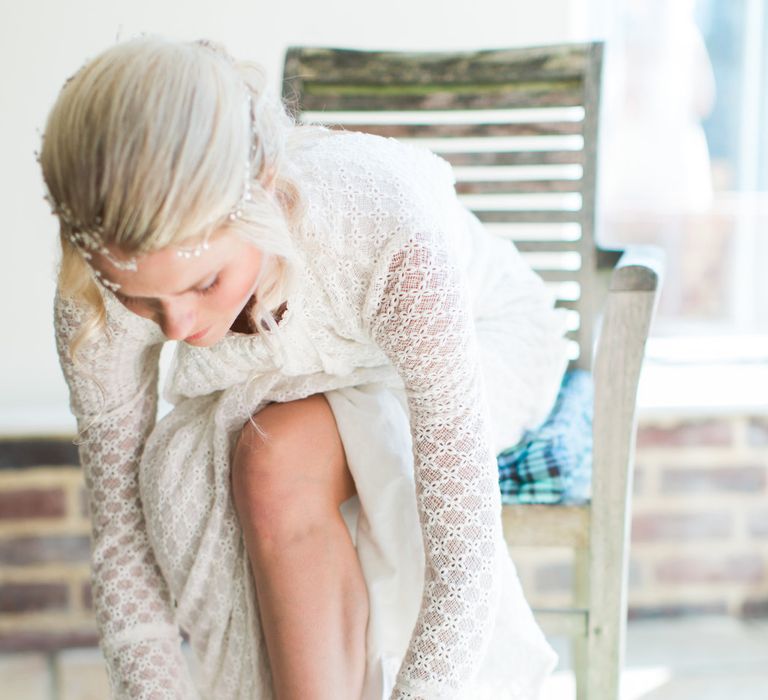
x=553 y=463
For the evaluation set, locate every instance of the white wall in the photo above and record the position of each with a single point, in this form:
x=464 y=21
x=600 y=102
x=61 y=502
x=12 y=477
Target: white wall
x=42 y=42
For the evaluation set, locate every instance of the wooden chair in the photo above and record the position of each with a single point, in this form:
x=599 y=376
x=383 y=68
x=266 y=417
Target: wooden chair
x=520 y=128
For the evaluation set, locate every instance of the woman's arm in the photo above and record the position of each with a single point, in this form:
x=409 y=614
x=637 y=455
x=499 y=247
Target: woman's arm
x=113 y=395
x=419 y=314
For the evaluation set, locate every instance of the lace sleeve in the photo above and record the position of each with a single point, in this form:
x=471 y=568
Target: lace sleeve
x=420 y=316
x=113 y=395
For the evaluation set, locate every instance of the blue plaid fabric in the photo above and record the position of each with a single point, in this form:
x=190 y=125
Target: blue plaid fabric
x=553 y=464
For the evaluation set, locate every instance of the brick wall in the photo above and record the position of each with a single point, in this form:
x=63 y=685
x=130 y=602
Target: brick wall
x=699 y=505
x=699 y=537
x=44 y=548
x=699 y=526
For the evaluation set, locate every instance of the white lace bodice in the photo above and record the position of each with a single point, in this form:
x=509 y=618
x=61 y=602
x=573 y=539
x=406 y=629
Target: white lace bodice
x=398 y=283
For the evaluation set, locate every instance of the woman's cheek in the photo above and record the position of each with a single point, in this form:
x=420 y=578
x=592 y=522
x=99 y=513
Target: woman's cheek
x=234 y=296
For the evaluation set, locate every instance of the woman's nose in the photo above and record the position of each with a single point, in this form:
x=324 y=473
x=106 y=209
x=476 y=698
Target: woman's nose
x=177 y=320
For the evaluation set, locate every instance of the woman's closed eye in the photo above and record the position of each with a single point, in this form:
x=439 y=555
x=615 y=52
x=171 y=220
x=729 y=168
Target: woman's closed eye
x=207 y=289
x=210 y=287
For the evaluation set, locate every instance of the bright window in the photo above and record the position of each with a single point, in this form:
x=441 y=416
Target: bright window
x=684 y=156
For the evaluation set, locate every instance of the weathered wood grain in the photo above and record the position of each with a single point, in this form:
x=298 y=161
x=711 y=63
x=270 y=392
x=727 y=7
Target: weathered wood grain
x=629 y=310
x=560 y=128
x=329 y=65
x=517 y=158
x=547 y=246
x=518 y=186
x=320 y=97
x=528 y=217
x=545 y=525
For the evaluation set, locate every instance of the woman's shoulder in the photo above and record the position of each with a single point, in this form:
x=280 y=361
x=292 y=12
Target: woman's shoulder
x=353 y=159
x=365 y=189
x=366 y=198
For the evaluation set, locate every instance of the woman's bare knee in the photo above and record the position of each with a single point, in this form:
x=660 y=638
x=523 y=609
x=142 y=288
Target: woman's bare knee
x=295 y=474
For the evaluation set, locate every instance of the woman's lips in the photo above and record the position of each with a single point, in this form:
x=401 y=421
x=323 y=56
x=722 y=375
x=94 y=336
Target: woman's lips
x=198 y=335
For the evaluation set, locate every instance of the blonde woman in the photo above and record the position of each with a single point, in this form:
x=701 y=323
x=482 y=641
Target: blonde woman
x=320 y=510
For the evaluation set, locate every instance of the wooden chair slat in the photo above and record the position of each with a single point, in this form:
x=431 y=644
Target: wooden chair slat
x=570 y=622
x=559 y=275
x=534 y=95
x=546 y=526
x=517 y=186
x=547 y=246
x=514 y=158
x=528 y=217
x=572 y=128
x=493 y=66
x=574 y=335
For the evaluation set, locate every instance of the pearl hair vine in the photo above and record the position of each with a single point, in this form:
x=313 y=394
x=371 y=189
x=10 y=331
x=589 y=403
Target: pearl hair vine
x=89 y=238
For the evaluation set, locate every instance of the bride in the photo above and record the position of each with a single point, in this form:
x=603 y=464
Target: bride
x=320 y=511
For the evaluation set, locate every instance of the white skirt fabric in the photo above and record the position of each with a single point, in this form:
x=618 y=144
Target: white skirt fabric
x=383 y=521
x=198 y=544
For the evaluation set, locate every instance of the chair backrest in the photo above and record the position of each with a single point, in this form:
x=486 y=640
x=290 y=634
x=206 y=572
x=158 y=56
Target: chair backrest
x=519 y=127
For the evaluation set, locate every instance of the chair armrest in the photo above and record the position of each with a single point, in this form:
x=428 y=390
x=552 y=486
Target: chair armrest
x=640 y=268
x=637 y=268
x=629 y=309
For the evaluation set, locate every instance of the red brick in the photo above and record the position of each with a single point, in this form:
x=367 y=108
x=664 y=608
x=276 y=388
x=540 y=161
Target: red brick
x=35 y=452
x=758 y=522
x=681 y=526
x=26 y=597
x=46 y=640
x=747 y=568
x=757 y=432
x=709 y=433
x=17 y=551
x=742 y=479
x=32 y=503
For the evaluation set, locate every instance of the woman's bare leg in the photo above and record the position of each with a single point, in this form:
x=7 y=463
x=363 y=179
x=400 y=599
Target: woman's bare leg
x=312 y=598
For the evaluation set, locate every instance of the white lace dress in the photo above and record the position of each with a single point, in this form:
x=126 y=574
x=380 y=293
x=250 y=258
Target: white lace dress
x=414 y=322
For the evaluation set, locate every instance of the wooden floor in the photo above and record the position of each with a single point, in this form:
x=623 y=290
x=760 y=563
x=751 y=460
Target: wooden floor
x=702 y=658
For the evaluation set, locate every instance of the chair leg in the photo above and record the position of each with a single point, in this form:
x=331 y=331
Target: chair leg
x=606 y=659
x=608 y=595
x=580 y=656
x=579 y=645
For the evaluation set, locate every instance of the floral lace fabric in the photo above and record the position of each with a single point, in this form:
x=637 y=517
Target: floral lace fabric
x=113 y=394
x=402 y=292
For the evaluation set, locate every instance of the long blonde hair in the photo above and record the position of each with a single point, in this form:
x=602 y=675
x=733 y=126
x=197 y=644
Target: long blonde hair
x=150 y=138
